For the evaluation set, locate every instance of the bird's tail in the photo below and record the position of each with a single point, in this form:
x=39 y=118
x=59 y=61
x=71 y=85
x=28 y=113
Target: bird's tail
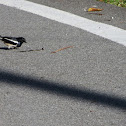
x=1 y=37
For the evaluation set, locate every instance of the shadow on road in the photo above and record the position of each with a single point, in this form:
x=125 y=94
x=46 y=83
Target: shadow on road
x=61 y=89
x=4 y=48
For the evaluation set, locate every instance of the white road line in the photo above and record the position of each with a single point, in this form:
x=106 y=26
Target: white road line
x=106 y=31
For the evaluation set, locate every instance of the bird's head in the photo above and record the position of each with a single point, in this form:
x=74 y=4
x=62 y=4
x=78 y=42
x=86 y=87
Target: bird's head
x=21 y=39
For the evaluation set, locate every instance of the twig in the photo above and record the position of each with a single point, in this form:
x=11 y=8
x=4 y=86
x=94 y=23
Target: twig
x=96 y=13
x=62 y=49
x=32 y=50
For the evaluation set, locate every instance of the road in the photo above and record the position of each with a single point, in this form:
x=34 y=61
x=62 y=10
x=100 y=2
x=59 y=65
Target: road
x=79 y=86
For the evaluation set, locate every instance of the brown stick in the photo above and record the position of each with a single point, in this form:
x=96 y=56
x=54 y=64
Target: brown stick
x=32 y=50
x=62 y=49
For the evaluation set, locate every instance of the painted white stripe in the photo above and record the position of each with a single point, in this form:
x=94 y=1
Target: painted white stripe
x=107 y=31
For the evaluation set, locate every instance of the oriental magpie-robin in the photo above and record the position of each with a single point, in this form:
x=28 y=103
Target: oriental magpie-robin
x=12 y=42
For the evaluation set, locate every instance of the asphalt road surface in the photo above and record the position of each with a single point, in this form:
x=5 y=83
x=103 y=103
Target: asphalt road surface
x=80 y=86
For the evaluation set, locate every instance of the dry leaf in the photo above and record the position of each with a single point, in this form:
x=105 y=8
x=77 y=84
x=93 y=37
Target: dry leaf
x=95 y=9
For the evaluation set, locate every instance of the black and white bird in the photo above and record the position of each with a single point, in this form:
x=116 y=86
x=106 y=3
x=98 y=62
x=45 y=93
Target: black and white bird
x=12 y=42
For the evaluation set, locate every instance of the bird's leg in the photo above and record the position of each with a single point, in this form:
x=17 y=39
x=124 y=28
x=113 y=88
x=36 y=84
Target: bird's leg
x=10 y=47
x=15 y=47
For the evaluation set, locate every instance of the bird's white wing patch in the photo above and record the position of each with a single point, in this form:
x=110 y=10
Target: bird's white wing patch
x=11 y=40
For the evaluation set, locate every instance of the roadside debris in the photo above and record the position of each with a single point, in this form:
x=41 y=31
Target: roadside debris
x=96 y=13
x=62 y=49
x=94 y=9
x=33 y=50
